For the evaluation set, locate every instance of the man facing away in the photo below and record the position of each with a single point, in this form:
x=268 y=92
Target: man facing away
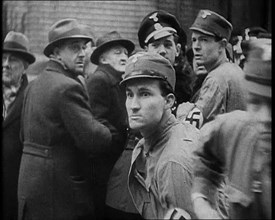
x=59 y=132
x=160 y=176
x=16 y=58
x=238 y=145
x=222 y=90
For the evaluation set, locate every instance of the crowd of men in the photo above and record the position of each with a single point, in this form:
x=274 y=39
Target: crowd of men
x=107 y=131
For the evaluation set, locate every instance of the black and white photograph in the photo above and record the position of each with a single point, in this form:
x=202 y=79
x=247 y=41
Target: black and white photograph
x=135 y=110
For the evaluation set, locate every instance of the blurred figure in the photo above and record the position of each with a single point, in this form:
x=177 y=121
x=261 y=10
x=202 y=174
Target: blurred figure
x=16 y=58
x=107 y=101
x=249 y=34
x=59 y=132
x=160 y=175
x=222 y=89
x=238 y=145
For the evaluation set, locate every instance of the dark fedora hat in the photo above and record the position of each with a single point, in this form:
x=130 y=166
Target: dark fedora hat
x=107 y=41
x=66 y=29
x=18 y=43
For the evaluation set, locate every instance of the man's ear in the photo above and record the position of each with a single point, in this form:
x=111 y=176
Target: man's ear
x=178 y=48
x=56 y=53
x=170 y=100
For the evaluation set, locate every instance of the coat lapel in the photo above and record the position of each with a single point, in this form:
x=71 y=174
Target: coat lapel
x=16 y=107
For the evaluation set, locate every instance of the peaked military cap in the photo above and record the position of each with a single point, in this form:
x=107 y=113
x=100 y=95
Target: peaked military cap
x=149 y=65
x=158 y=24
x=211 y=23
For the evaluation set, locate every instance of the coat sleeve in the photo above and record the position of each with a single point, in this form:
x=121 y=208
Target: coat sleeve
x=210 y=161
x=100 y=95
x=88 y=133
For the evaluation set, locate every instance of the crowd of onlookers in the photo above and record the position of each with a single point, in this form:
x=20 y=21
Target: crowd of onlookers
x=107 y=131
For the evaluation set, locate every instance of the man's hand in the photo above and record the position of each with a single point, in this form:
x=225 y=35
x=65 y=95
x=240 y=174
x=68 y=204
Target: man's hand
x=203 y=210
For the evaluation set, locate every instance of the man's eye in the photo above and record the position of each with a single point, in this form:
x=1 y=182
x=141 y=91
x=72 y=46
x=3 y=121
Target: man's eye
x=129 y=95
x=145 y=94
x=117 y=51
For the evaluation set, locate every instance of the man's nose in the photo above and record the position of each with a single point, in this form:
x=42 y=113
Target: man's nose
x=161 y=50
x=5 y=63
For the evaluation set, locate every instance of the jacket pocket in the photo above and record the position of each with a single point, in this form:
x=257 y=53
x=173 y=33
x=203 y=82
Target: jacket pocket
x=82 y=196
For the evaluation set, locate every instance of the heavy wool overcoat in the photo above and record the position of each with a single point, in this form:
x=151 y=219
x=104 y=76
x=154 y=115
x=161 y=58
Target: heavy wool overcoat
x=59 y=133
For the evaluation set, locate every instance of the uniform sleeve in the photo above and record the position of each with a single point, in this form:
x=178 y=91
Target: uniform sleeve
x=210 y=160
x=88 y=133
x=210 y=100
x=174 y=184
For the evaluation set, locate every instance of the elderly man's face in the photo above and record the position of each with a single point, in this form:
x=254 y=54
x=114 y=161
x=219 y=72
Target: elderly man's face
x=116 y=56
x=72 y=54
x=12 y=69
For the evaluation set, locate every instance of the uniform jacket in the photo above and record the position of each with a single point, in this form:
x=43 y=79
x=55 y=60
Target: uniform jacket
x=222 y=91
x=107 y=101
x=161 y=170
x=11 y=153
x=229 y=147
x=58 y=131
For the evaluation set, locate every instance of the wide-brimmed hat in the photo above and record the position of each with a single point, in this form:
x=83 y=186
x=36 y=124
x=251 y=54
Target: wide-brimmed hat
x=211 y=23
x=258 y=67
x=159 y=24
x=107 y=41
x=65 y=29
x=18 y=43
x=151 y=66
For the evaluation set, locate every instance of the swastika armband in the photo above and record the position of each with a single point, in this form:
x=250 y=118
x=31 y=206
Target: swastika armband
x=195 y=118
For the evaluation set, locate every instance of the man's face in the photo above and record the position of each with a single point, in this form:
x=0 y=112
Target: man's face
x=260 y=108
x=12 y=69
x=145 y=105
x=116 y=56
x=166 y=47
x=206 y=50
x=72 y=54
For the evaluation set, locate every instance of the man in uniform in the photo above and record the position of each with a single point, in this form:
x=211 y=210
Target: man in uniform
x=160 y=176
x=238 y=145
x=222 y=89
x=59 y=132
x=16 y=58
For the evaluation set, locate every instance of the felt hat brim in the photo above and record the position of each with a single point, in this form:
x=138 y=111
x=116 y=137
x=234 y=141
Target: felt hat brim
x=103 y=47
x=22 y=53
x=49 y=48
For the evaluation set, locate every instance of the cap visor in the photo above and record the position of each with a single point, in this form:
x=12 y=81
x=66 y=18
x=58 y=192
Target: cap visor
x=139 y=77
x=202 y=31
